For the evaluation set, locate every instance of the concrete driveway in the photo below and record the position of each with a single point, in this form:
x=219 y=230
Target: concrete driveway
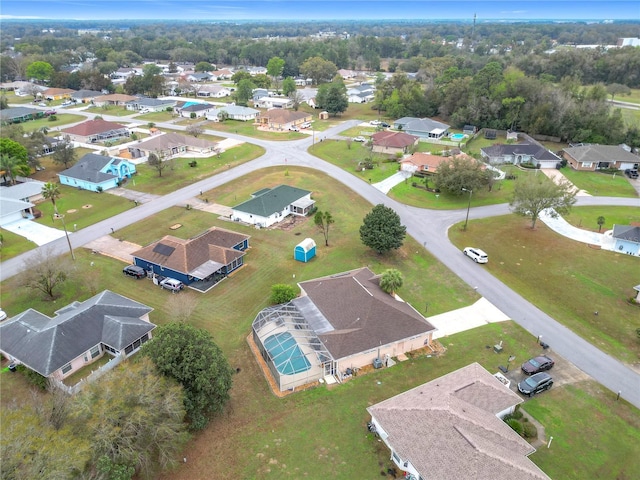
x=39 y=234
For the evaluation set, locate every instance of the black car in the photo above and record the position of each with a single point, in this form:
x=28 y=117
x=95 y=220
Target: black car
x=631 y=173
x=535 y=384
x=134 y=271
x=537 y=364
x=384 y=125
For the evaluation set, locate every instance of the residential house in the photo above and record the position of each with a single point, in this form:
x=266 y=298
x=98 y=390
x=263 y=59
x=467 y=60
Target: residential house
x=124 y=73
x=597 y=157
x=19 y=115
x=17 y=201
x=425 y=163
x=85 y=96
x=172 y=144
x=199 y=262
x=29 y=88
x=198 y=77
x=114 y=99
x=150 y=104
x=234 y=112
x=222 y=74
x=253 y=71
x=93 y=131
x=452 y=428
x=519 y=153
x=15 y=86
x=57 y=93
x=347 y=74
x=77 y=335
x=197 y=109
x=213 y=91
x=277 y=119
x=312 y=102
x=273 y=205
x=28 y=191
x=274 y=102
x=627 y=239
x=258 y=93
x=303 y=82
x=393 y=142
x=97 y=172
x=338 y=323
x=422 y=127
x=361 y=93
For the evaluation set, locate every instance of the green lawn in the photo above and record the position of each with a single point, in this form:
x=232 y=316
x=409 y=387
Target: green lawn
x=566 y=279
x=61 y=119
x=585 y=418
x=115 y=111
x=600 y=184
x=587 y=217
x=13 y=245
x=181 y=174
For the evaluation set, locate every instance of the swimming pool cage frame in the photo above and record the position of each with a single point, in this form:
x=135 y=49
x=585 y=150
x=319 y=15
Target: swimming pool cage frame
x=287 y=318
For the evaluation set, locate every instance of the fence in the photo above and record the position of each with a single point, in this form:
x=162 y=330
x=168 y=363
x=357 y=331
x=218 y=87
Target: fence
x=96 y=374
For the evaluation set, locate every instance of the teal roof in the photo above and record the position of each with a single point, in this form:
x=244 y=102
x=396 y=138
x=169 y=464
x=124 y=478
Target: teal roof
x=267 y=202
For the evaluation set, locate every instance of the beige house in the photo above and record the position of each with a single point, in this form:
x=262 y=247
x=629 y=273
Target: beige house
x=451 y=428
x=171 y=145
x=598 y=157
x=277 y=119
x=393 y=142
x=113 y=99
x=338 y=323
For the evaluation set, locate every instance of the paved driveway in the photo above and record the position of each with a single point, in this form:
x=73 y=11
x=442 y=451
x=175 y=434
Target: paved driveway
x=39 y=234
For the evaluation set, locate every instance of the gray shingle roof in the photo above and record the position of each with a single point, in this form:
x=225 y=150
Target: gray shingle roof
x=45 y=344
x=17 y=112
x=88 y=169
x=448 y=428
x=601 y=153
x=272 y=201
x=627 y=232
x=361 y=314
x=536 y=151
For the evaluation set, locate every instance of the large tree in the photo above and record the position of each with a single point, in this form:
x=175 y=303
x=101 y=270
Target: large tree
x=461 y=172
x=155 y=160
x=244 y=91
x=190 y=356
x=14 y=159
x=134 y=417
x=275 y=67
x=64 y=154
x=41 y=71
x=332 y=97
x=46 y=272
x=318 y=69
x=323 y=221
x=381 y=229
x=288 y=86
x=537 y=193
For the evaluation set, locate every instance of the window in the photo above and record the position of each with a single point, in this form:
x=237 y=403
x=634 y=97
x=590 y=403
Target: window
x=587 y=164
x=66 y=368
x=95 y=351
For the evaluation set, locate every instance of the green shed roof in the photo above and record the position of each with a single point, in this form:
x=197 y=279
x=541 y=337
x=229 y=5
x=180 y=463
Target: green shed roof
x=269 y=201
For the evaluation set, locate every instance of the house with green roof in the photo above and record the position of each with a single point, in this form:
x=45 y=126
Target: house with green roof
x=272 y=205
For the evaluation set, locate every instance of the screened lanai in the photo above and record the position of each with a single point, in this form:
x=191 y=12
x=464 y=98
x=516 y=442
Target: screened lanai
x=287 y=340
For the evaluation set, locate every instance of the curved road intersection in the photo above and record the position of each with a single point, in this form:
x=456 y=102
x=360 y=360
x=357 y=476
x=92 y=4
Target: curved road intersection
x=428 y=227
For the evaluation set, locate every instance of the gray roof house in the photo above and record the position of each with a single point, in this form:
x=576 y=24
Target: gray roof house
x=19 y=115
x=77 y=335
x=627 y=239
x=451 y=428
x=199 y=109
x=97 y=172
x=596 y=157
x=518 y=153
x=234 y=112
x=338 y=323
x=150 y=104
x=273 y=205
x=85 y=96
x=422 y=127
x=13 y=210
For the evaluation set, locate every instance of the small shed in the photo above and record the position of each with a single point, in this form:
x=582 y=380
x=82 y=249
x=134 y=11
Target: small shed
x=323 y=115
x=305 y=250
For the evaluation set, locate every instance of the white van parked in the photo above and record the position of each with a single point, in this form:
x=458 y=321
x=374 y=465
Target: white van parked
x=476 y=254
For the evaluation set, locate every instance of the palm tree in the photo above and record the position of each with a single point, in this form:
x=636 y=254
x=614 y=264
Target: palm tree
x=391 y=280
x=601 y=221
x=13 y=166
x=51 y=191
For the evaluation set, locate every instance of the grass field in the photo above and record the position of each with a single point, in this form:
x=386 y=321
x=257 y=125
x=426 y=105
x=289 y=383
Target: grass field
x=61 y=119
x=587 y=217
x=565 y=279
x=600 y=184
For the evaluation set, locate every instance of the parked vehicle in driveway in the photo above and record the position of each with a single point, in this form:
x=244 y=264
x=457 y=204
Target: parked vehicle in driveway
x=294 y=128
x=172 y=284
x=537 y=364
x=134 y=271
x=374 y=122
x=3 y=315
x=384 y=125
x=359 y=139
x=535 y=384
x=631 y=173
x=477 y=255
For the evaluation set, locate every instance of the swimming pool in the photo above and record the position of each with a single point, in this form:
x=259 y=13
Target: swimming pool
x=286 y=354
x=456 y=137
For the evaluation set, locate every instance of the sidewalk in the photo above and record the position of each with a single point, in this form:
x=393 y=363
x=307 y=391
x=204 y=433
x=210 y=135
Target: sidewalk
x=466 y=318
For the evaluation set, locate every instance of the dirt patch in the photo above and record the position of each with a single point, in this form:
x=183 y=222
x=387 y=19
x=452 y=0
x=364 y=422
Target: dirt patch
x=88 y=205
x=73 y=210
x=175 y=226
x=289 y=223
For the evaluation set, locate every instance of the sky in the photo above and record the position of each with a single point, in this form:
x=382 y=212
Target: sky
x=320 y=10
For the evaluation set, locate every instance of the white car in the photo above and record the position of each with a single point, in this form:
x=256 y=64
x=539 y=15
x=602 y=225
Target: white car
x=172 y=284
x=374 y=122
x=294 y=128
x=359 y=139
x=3 y=315
x=476 y=254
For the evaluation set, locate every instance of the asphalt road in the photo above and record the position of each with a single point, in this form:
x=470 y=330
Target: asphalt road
x=428 y=227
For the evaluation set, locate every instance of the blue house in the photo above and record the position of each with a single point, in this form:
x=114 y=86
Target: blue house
x=97 y=172
x=627 y=239
x=199 y=262
x=305 y=250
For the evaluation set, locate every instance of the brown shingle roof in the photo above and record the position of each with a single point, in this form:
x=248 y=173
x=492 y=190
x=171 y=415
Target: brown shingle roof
x=393 y=139
x=278 y=115
x=423 y=160
x=185 y=256
x=115 y=97
x=57 y=91
x=361 y=314
x=448 y=428
x=170 y=140
x=93 y=127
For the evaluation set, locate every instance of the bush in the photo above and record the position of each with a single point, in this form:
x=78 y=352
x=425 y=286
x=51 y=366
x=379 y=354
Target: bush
x=282 y=293
x=52 y=118
x=529 y=430
x=515 y=425
x=33 y=377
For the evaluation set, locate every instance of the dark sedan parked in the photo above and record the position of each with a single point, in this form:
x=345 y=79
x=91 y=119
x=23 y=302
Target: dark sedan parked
x=537 y=364
x=535 y=384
